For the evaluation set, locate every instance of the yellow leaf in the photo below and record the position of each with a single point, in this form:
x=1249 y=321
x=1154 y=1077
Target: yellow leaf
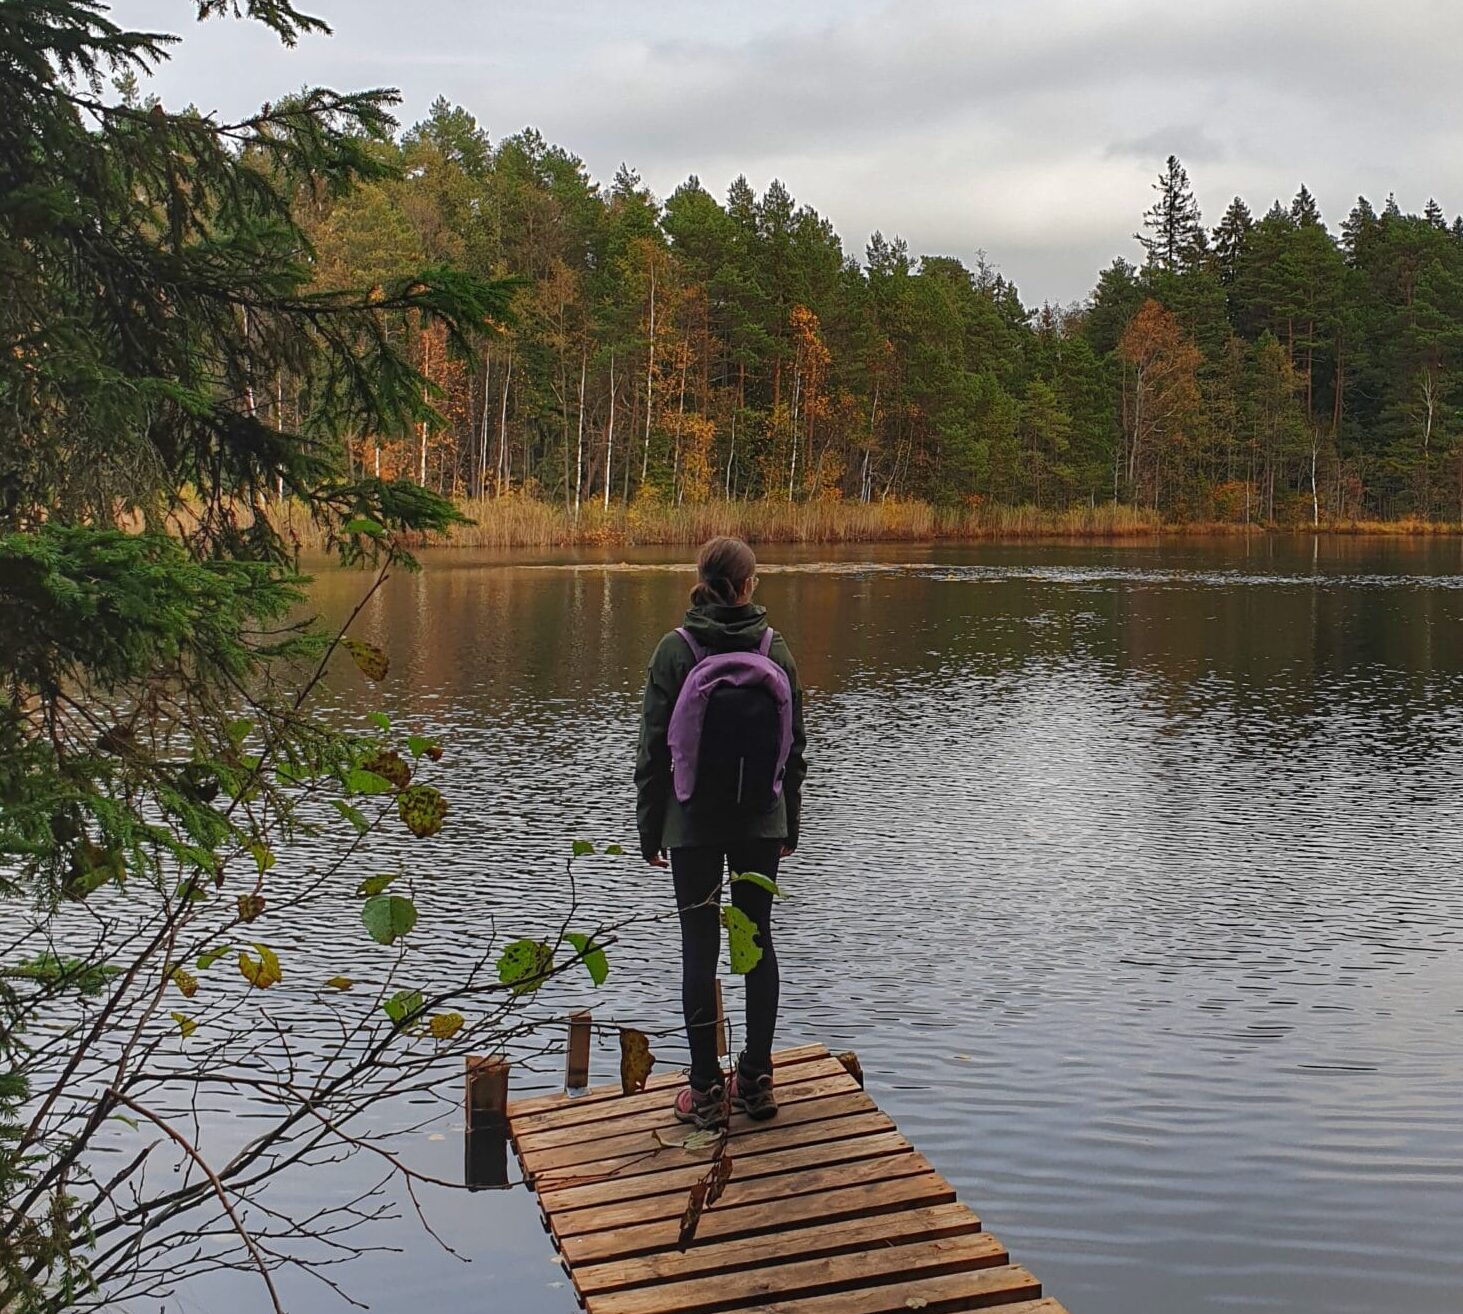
x=186 y=982
x=446 y=1025
x=186 y=1025
x=263 y=972
x=250 y=906
x=636 y=1060
x=340 y=983
x=372 y=661
x=387 y=762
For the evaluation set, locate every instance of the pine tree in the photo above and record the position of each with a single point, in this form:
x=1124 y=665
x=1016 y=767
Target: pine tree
x=1359 y=229
x=1231 y=238
x=156 y=290
x=1433 y=213
x=1175 y=233
x=1303 y=210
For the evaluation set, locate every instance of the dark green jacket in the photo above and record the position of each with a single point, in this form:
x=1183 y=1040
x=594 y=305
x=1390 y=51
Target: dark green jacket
x=664 y=823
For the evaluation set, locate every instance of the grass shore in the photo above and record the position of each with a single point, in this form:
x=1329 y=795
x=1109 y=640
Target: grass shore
x=520 y=522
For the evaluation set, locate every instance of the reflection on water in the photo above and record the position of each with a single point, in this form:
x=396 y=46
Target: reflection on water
x=1130 y=872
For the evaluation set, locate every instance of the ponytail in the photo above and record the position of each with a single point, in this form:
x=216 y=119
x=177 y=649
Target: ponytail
x=723 y=568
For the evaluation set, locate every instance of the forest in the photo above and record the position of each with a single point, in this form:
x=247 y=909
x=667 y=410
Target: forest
x=1263 y=370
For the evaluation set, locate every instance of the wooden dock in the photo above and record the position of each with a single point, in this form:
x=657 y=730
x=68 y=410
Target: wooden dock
x=828 y=1209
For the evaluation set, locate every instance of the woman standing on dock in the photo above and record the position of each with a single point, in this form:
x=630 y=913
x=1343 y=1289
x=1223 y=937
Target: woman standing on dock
x=719 y=787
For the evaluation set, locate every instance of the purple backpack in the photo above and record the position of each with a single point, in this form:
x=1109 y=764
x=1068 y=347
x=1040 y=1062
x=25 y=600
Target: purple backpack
x=731 y=730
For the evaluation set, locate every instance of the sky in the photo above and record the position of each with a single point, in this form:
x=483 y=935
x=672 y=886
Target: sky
x=1028 y=130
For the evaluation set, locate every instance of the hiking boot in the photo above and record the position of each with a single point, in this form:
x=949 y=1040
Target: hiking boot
x=705 y=1109
x=754 y=1096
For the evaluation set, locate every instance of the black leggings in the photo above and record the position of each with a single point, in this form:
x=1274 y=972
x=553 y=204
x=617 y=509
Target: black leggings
x=699 y=872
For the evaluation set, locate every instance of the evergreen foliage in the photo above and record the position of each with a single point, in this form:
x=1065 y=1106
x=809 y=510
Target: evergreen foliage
x=158 y=287
x=732 y=348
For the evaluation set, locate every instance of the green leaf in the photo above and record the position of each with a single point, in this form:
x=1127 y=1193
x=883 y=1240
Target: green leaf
x=741 y=936
x=380 y=720
x=583 y=848
x=351 y=814
x=191 y=890
x=418 y=744
x=360 y=781
x=364 y=525
x=263 y=857
x=614 y=850
x=387 y=916
x=374 y=884
x=760 y=881
x=128 y=1119
x=210 y=956
x=287 y=774
x=593 y=957
x=525 y=965
x=186 y=1025
x=239 y=730
x=403 y=1004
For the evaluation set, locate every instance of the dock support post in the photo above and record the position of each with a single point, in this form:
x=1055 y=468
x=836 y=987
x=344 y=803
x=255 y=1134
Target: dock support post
x=485 y=1135
x=487 y=1091
x=576 y=1072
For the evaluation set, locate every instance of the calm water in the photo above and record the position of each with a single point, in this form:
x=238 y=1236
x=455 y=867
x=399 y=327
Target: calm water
x=1131 y=873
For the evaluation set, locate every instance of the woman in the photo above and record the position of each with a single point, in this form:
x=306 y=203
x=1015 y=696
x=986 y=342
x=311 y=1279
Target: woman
x=719 y=784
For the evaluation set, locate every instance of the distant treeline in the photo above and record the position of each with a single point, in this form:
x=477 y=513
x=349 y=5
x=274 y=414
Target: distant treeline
x=1266 y=369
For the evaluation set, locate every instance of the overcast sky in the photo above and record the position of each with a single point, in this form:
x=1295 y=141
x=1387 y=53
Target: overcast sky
x=1028 y=129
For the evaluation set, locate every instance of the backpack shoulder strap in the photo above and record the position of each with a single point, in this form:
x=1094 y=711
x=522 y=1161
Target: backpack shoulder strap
x=765 y=646
x=697 y=651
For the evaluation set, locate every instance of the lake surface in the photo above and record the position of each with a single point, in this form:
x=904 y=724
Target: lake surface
x=1131 y=872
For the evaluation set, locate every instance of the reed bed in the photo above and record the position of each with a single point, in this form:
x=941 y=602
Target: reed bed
x=523 y=522
x=520 y=522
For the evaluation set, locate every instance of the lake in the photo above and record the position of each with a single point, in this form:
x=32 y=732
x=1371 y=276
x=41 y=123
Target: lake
x=1131 y=873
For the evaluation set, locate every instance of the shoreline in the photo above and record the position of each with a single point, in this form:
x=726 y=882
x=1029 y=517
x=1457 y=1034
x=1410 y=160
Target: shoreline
x=518 y=522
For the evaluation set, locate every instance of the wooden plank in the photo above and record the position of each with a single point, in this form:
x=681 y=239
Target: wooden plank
x=783 y=1282
x=1047 y=1306
x=566 y=1167
x=950 y=1293
x=659 y=1117
x=532 y=1104
x=732 y=1223
x=646 y=1211
x=675 y=1175
x=829 y=1210
x=577 y=1113
x=822 y=1109
x=781 y=1246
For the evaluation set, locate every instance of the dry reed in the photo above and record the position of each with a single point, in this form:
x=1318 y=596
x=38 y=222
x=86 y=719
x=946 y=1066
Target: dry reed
x=523 y=522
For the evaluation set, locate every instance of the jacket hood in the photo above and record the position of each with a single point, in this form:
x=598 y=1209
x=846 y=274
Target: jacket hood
x=727 y=629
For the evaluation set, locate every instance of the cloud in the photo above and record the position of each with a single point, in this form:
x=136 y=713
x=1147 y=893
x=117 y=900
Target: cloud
x=1189 y=141
x=1031 y=129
